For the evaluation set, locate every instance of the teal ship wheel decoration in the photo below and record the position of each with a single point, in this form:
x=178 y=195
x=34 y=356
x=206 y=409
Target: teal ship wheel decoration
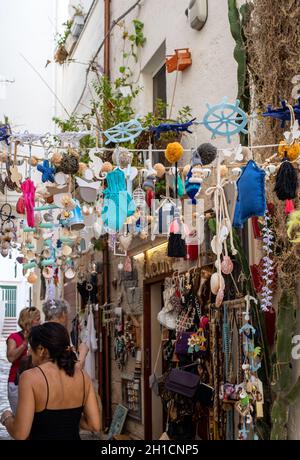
x=124 y=132
x=225 y=119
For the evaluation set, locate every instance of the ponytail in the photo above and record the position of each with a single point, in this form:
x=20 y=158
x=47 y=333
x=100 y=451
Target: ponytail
x=66 y=361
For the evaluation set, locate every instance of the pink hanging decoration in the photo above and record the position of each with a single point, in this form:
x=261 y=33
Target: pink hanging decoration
x=220 y=297
x=28 y=189
x=227 y=265
x=289 y=206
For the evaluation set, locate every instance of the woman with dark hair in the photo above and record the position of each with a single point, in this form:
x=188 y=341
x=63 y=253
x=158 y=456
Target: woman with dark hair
x=56 y=397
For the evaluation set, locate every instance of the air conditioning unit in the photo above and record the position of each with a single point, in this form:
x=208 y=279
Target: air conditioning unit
x=197 y=13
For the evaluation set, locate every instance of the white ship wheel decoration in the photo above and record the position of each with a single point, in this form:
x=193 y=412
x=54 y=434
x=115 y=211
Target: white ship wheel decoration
x=124 y=132
x=225 y=119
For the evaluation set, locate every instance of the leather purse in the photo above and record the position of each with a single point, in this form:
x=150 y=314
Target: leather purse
x=181 y=347
x=183 y=382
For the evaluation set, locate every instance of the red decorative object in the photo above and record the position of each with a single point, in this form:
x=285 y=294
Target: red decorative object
x=289 y=206
x=20 y=206
x=179 y=61
x=270 y=321
x=149 y=197
x=192 y=252
x=257 y=277
x=255 y=227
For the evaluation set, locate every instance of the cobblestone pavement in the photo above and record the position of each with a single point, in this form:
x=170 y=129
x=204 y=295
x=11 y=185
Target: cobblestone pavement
x=4 y=369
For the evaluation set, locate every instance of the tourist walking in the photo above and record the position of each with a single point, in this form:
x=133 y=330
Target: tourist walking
x=56 y=397
x=17 y=347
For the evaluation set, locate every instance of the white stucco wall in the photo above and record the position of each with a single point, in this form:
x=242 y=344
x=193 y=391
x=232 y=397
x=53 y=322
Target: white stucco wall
x=73 y=72
x=11 y=275
x=27 y=28
x=213 y=72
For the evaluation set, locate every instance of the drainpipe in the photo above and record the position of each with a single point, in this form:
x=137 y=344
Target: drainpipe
x=107 y=40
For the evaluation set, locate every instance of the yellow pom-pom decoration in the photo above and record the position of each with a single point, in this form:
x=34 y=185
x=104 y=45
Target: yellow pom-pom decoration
x=292 y=152
x=174 y=152
x=106 y=167
x=160 y=169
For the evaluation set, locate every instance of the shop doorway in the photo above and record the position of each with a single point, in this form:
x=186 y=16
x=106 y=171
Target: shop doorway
x=154 y=417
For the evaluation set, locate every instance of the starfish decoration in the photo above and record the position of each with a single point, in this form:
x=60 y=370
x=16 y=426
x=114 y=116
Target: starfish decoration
x=175 y=127
x=47 y=171
x=4 y=134
x=16 y=177
x=283 y=113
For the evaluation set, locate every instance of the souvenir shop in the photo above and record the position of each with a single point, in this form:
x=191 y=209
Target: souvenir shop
x=179 y=272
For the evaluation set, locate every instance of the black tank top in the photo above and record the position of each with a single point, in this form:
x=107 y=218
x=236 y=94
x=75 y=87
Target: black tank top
x=57 y=424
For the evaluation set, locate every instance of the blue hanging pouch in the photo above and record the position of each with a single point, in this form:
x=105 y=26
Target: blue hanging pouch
x=251 y=200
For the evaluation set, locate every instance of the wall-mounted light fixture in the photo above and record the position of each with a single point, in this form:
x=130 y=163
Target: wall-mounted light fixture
x=197 y=13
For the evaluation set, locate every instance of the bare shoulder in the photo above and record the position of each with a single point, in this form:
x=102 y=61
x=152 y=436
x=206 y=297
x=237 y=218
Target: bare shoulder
x=29 y=376
x=87 y=378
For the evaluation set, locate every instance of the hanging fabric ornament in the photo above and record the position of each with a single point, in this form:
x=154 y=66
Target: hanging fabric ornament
x=56 y=159
x=139 y=197
x=175 y=178
x=176 y=240
x=191 y=188
x=286 y=184
x=28 y=189
x=204 y=155
x=251 y=200
x=160 y=170
x=291 y=152
x=70 y=162
x=149 y=183
x=150 y=195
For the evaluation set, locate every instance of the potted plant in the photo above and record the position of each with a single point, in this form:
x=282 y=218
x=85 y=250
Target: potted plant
x=61 y=52
x=77 y=21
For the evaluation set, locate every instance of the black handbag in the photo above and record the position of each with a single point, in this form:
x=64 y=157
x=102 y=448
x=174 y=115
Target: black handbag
x=183 y=382
x=189 y=385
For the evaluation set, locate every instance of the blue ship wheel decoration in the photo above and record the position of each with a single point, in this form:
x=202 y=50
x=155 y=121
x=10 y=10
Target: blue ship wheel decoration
x=225 y=119
x=283 y=113
x=124 y=132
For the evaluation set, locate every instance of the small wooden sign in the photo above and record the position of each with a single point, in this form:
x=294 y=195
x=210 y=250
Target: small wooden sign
x=118 y=421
